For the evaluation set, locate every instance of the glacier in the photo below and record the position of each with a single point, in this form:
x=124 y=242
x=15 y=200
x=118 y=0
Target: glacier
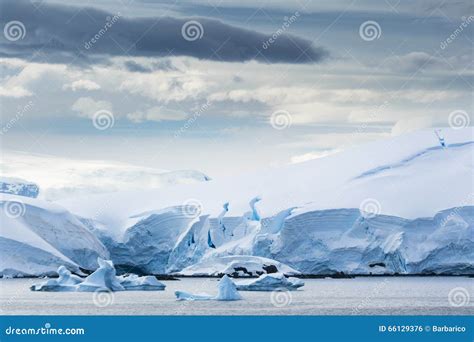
x=404 y=205
x=38 y=236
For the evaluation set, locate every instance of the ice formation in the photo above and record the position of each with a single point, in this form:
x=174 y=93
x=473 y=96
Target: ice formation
x=102 y=279
x=270 y=282
x=366 y=212
x=227 y=291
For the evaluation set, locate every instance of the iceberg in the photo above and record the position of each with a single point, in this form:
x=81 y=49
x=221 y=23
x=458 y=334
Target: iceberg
x=102 y=279
x=133 y=282
x=182 y=295
x=227 y=291
x=64 y=283
x=270 y=282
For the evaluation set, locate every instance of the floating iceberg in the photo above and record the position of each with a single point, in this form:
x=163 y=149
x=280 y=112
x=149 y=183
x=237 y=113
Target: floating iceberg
x=104 y=278
x=133 y=282
x=227 y=291
x=64 y=283
x=270 y=282
x=182 y=295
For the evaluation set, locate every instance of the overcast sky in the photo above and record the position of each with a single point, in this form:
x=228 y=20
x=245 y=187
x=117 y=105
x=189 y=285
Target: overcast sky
x=228 y=86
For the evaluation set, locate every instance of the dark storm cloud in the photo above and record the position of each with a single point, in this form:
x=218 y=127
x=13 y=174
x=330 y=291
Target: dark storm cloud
x=70 y=34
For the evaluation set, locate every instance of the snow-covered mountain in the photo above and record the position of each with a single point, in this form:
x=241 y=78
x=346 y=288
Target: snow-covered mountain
x=61 y=178
x=403 y=205
x=17 y=186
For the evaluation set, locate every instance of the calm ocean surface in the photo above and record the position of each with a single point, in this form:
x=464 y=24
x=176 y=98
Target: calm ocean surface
x=359 y=296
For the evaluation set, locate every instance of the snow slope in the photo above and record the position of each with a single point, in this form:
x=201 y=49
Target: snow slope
x=403 y=205
x=37 y=237
x=63 y=178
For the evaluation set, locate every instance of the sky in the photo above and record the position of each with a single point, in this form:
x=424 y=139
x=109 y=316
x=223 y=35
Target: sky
x=226 y=87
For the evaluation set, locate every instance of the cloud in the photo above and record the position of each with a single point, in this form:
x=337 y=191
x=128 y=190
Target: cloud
x=157 y=114
x=67 y=34
x=87 y=107
x=82 y=85
x=15 y=92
